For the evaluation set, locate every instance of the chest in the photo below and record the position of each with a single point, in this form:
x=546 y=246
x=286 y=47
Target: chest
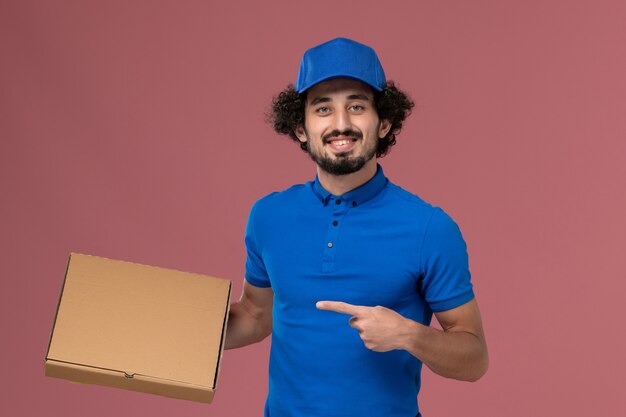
x=360 y=256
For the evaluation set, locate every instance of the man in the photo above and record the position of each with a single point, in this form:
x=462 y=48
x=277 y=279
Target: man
x=346 y=271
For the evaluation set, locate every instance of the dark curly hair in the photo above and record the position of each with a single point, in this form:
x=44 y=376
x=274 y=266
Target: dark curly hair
x=287 y=113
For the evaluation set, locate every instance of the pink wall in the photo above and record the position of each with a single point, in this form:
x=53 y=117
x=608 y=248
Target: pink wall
x=134 y=130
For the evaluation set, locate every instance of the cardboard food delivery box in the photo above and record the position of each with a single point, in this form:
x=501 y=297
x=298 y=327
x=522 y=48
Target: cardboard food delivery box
x=139 y=327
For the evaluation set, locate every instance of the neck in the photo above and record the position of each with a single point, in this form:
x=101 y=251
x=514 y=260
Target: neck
x=340 y=184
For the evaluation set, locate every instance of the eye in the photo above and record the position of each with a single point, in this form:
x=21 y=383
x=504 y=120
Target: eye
x=356 y=107
x=322 y=110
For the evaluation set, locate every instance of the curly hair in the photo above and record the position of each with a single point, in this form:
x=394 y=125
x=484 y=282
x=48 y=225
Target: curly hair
x=287 y=113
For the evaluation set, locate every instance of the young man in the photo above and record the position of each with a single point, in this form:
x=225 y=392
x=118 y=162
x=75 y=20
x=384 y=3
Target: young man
x=346 y=271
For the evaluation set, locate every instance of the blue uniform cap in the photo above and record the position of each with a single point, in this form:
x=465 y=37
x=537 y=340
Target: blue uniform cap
x=340 y=57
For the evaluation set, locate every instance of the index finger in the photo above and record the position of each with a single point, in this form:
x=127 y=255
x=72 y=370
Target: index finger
x=339 y=307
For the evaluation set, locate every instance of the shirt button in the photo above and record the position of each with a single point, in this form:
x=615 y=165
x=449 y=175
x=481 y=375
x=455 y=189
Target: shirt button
x=337 y=201
x=335 y=222
x=330 y=244
x=354 y=204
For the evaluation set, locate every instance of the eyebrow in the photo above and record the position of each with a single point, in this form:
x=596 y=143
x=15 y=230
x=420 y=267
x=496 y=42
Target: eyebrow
x=358 y=97
x=318 y=100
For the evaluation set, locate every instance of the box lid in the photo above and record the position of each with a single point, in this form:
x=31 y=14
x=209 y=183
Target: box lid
x=141 y=321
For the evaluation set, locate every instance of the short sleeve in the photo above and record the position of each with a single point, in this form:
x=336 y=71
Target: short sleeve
x=256 y=274
x=445 y=269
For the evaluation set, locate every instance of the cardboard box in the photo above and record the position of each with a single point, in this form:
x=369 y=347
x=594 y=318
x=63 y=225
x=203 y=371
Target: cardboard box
x=140 y=328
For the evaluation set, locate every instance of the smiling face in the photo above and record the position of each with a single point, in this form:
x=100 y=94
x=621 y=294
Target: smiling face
x=341 y=126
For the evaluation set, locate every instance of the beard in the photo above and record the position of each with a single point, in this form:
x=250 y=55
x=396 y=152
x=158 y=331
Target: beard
x=343 y=163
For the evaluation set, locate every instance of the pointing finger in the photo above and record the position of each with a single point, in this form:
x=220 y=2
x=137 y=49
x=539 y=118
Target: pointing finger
x=340 y=307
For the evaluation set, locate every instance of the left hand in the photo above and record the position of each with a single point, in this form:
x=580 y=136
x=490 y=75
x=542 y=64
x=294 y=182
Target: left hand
x=380 y=328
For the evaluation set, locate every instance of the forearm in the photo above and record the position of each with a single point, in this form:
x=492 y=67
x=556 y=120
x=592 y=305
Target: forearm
x=452 y=354
x=246 y=326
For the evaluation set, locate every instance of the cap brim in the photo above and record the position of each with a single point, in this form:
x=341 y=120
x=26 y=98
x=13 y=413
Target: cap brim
x=301 y=89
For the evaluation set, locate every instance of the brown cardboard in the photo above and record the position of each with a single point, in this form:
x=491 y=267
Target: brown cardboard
x=140 y=328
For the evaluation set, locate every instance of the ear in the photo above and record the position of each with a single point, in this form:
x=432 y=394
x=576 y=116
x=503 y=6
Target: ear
x=301 y=134
x=383 y=129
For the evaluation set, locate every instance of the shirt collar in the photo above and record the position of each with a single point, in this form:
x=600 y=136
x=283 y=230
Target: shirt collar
x=359 y=195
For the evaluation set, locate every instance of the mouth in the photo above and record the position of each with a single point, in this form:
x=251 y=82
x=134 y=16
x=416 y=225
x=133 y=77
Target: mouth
x=341 y=143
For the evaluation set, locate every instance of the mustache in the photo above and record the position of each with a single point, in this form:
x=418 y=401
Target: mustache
x=337 y=133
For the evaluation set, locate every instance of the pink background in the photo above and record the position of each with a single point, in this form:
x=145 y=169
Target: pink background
x=134 y=130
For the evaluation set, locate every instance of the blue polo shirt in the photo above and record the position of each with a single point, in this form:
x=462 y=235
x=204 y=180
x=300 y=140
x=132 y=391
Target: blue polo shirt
x=375 y=245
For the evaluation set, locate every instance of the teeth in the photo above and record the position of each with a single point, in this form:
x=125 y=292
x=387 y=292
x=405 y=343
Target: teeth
x=341 y=142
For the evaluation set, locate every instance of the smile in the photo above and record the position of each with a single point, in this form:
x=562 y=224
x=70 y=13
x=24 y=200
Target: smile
x=341 y=144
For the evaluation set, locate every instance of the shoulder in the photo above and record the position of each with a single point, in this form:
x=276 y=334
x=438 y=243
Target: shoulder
x=409 y=202
x=291 y=194
x=407 y=197
x=436 y=219
x=278 y=201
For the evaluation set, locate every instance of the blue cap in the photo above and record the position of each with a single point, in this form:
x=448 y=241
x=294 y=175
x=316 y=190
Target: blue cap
x=340 y=57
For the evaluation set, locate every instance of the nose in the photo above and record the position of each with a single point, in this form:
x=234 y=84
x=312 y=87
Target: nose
x=342 y=120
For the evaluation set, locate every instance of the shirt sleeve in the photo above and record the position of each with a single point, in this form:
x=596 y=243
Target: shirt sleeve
x=445 y=270
x=256 y=273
